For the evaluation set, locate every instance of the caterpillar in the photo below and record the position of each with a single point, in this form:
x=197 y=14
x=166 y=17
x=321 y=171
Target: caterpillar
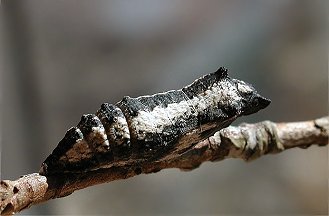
x=150 y=127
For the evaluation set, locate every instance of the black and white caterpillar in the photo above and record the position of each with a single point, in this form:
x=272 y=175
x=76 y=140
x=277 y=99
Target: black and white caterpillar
x=152 y=126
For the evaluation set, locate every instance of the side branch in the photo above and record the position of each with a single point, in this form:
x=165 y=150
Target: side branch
x=247 y=141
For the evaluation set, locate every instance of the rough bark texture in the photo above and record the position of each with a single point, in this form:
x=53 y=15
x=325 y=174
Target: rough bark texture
x=247 y=141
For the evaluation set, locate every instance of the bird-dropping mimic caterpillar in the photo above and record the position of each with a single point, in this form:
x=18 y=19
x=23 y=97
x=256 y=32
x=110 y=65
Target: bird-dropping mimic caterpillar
x=149 y=127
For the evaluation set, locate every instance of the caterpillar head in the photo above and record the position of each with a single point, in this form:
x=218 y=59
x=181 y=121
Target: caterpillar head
x=253 y=102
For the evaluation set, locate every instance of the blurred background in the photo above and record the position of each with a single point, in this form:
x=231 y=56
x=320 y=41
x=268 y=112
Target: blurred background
x=63 y=59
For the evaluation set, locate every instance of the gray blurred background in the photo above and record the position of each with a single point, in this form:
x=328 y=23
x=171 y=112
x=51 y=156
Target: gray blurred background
x=65 y=58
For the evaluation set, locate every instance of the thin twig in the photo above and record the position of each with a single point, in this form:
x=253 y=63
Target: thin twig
x=247 y=141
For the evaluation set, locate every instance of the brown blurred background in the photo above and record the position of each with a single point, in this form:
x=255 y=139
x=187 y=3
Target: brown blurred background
x=65 y=58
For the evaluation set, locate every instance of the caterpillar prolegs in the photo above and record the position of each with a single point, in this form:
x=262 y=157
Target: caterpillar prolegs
x=149 y=127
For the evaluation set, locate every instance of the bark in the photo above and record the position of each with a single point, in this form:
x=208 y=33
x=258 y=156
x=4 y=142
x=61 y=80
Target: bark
x=247 y=141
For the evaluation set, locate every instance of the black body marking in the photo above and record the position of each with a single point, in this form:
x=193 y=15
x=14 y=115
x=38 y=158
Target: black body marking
x=141 y=129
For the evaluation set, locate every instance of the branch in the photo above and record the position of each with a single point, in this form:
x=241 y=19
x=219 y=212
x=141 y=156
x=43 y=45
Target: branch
x=247 y=141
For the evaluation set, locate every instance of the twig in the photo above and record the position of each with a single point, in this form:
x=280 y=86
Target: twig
x=247 y=141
